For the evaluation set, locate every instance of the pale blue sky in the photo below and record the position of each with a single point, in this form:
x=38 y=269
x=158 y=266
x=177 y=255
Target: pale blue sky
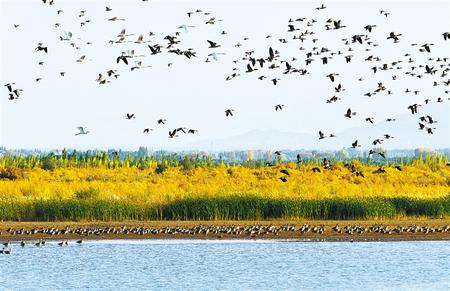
x=194 y=94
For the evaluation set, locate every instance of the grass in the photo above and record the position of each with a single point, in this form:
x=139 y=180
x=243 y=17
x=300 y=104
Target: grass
x=89 y=188
x=233 y=208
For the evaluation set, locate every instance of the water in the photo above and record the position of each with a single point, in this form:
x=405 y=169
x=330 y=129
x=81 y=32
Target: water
x=228 y=265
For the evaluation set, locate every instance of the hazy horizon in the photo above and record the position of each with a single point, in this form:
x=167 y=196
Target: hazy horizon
x=193 y=94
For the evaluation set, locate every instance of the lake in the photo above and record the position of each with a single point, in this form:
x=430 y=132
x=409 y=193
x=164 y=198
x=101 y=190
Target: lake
x=228 y=265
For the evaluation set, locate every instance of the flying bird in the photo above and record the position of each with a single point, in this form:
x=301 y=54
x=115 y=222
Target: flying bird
x=350 y=113
x=147 y=130
x=279 y=107
x=229 y=112
x=81 y=130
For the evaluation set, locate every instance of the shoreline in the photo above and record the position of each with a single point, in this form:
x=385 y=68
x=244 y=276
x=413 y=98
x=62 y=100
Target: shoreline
x=406 y=229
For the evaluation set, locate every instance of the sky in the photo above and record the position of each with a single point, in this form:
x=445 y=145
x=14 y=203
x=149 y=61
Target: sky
x=194 y=94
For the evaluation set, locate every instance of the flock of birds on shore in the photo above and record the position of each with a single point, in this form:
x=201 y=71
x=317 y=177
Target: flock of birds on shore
x=250 y=231
x=301 y=30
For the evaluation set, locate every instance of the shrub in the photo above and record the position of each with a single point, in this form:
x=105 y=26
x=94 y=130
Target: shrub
x=85 y=194
x=9 y=173
x=160 y=168
x=48 y=164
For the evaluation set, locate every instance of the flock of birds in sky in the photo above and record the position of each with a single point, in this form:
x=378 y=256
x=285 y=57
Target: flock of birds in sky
x=302 y=31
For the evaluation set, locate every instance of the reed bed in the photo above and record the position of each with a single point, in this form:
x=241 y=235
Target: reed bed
x=76 y=188
x=233 y=208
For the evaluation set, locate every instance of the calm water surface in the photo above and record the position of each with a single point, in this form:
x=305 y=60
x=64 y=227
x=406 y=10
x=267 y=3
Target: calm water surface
x=228 y=265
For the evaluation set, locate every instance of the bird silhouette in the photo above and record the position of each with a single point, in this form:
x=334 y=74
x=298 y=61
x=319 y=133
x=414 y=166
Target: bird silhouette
x=350 y=113
x=40 y=47
x=284 y=171
x=229 y=112
x=81 y=130
x=212 y=44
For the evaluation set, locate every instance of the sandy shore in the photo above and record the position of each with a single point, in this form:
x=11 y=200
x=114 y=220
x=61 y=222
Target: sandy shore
x=349 y=230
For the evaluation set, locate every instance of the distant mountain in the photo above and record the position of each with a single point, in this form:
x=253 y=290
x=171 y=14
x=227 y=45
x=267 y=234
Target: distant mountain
x=259 y=139
x=404 y=130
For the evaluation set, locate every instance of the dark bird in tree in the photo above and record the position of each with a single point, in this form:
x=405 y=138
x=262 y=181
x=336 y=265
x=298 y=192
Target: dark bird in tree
x=284 y=171
x=316 y=170
x=284 y=179
x=380 y=170
x=359 y=174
